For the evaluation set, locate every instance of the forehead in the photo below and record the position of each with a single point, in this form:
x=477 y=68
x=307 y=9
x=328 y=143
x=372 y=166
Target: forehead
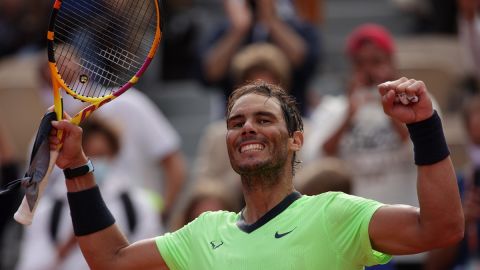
x=252 y=103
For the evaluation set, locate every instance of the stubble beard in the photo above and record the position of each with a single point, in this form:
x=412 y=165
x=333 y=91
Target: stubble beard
x=264 y=174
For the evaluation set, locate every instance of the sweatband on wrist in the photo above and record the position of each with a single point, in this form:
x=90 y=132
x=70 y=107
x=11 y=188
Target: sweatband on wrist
x=89 y=212
x=429 y=144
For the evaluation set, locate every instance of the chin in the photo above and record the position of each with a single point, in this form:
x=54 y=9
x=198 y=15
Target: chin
x=250 y=167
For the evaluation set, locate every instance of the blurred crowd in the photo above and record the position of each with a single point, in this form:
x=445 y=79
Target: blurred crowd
x=152 y=185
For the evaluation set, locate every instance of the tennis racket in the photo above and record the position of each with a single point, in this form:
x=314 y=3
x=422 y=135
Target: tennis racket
x=97 y=50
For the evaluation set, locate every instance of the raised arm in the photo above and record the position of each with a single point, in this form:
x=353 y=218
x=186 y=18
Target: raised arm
x=101 y=242
x=218 y=57
x=439 y=222
x=284 y=36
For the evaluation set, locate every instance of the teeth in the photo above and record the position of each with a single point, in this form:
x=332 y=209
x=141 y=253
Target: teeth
x=251 y=147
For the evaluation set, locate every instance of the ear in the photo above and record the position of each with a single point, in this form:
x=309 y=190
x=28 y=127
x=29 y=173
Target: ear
x=296 y=141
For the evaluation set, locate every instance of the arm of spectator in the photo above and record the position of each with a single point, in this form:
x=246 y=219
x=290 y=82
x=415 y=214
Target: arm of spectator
x=174 y=170
x=469 y=29
x=330 y=147
x=217 y=60
x=283 y=35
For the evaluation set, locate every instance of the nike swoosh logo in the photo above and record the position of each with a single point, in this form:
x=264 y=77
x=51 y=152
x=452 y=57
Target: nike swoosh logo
x=280 y=235
x=216 y=244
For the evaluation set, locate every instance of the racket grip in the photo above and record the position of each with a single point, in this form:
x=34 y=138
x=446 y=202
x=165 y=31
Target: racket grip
x=24 y=215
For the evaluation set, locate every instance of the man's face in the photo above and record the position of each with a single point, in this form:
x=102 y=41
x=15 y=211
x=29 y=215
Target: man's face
x=257 y=136
x=374 y=64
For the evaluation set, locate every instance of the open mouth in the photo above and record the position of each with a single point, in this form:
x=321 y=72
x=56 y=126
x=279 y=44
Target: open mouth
x=252 y=147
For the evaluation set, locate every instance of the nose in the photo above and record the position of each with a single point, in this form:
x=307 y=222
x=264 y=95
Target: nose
x=249 y=128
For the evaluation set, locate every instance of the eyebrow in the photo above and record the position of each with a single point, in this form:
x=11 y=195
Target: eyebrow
x=256 y=114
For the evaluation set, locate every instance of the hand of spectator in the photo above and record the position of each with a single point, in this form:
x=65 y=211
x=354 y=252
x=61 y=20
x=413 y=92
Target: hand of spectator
x=239 y=14
x=411 y=113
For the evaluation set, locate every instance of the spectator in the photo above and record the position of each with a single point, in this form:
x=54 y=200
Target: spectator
x=206 y=196
x=22 y=25
x=150 y=145
x=9 y=202
x=469 y=34
x=262 y=21
x=324 y=175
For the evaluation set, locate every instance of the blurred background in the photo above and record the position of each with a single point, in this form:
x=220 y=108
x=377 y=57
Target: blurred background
x=434 y=41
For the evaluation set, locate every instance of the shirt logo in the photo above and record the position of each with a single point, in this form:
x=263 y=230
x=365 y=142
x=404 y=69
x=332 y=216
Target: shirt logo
x=280 y=235
x=216 y=244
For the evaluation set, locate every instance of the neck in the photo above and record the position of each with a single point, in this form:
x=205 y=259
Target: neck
x=262 y=193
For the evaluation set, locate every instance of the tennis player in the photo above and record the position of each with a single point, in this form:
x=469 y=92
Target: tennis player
x=280 y=228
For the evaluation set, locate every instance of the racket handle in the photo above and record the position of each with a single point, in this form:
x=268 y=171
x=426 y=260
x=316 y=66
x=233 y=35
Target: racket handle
x=24 y=215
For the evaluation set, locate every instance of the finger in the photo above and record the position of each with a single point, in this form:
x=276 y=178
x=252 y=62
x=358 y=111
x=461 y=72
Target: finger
x=386 y=86
x=383 y=88
x=66 y=116
x=396 y=83
x=415 y=88
x=388 y=101
x=401 y=88
x=64 y=125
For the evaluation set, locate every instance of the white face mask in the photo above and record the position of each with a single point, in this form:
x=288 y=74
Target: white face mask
x=101 y=169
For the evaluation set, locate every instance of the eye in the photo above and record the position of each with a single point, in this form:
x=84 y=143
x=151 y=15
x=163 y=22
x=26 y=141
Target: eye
x=233 y=125
x=264 y=121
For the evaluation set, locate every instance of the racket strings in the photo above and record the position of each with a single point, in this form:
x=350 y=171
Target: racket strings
x=98 y=48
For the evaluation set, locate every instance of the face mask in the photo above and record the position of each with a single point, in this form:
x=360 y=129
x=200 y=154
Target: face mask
x=101 y=169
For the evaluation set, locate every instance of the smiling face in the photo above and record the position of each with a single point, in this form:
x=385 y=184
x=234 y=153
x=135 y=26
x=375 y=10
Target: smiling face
x=257 y=137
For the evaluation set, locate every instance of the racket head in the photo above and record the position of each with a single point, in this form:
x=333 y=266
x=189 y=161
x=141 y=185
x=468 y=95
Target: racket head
x=99 y=49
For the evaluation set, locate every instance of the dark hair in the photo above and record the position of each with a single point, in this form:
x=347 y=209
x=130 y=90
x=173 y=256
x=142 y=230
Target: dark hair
x=291 y=114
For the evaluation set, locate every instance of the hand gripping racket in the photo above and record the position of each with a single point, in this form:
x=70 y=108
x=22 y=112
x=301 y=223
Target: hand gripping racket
x=97 y=50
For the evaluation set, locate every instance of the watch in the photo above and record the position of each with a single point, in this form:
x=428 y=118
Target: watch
x=79 y=171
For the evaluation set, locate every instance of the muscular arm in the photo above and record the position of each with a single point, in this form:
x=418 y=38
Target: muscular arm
x=107 y=248
x=439 y=221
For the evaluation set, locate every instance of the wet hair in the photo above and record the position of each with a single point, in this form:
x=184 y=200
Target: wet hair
x=291 y=114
